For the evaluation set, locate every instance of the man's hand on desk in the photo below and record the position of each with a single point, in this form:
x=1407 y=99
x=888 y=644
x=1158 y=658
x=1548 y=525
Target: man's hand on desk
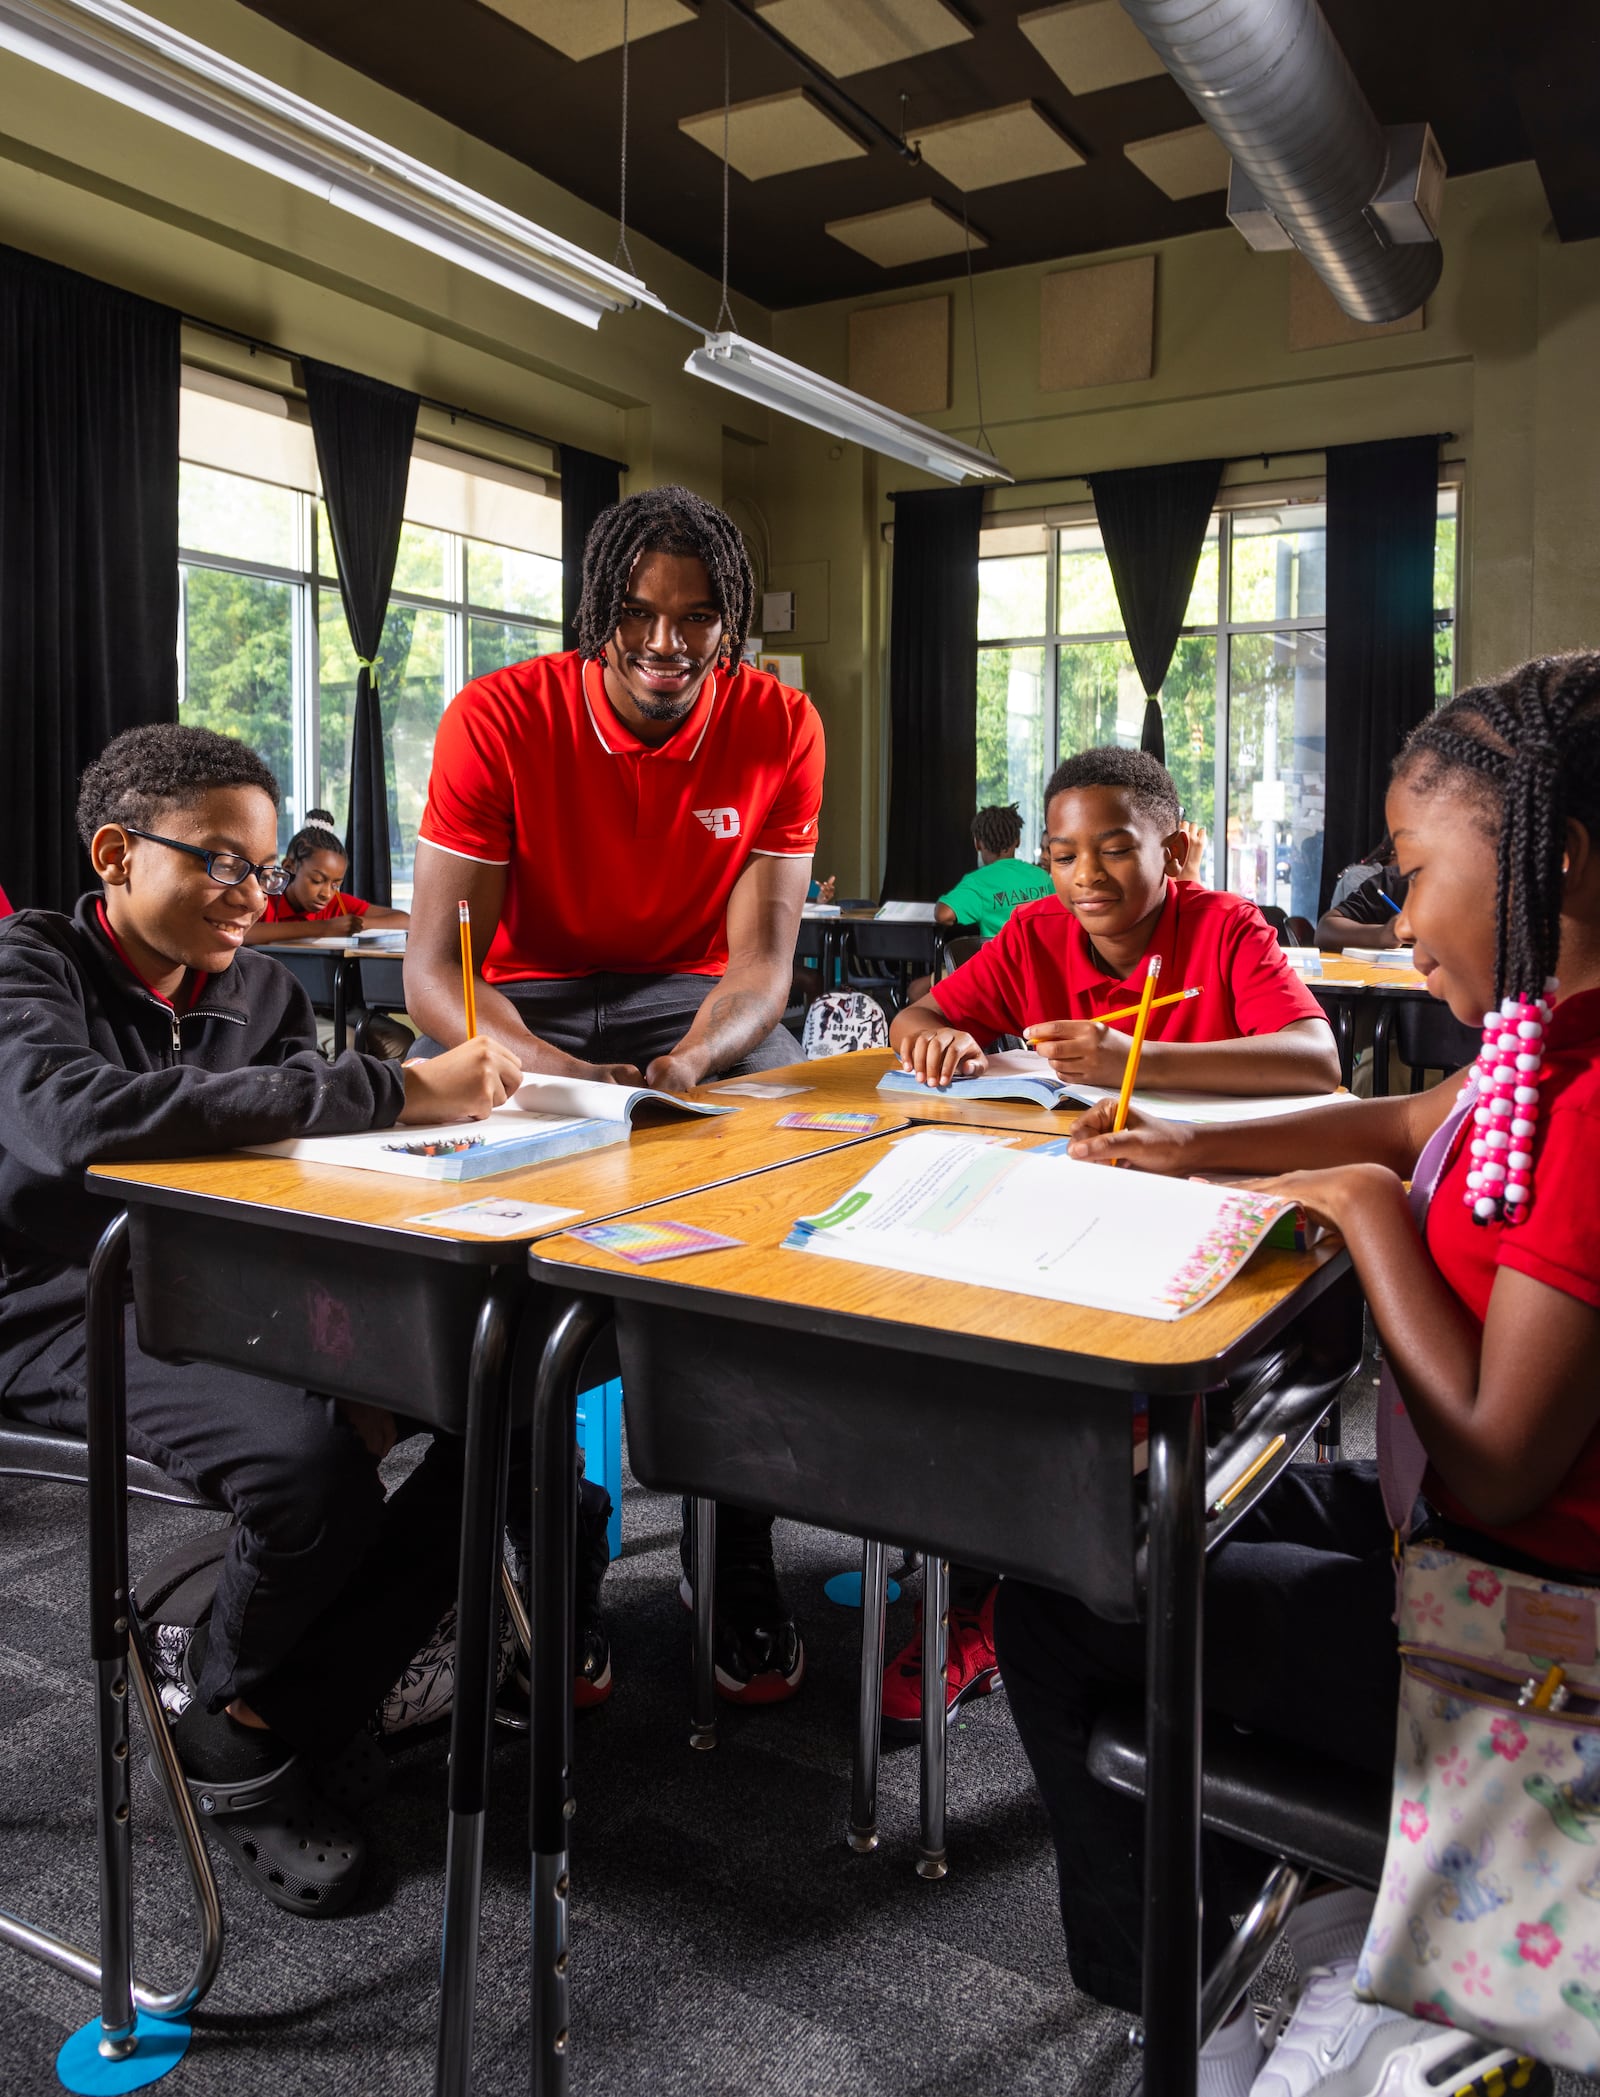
x=674 y=1073
x=464 y=1084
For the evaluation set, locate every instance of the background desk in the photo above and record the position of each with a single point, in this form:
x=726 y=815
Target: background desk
x=1347 y=990
x=386 y=1310
x=887 y=1404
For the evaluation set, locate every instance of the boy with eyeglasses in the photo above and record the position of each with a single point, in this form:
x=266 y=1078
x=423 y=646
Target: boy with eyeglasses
x=136 y=1028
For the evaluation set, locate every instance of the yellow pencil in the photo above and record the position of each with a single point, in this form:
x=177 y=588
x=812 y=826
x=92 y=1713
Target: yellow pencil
x=1173 y=997
x=1136 y=1046
x=468 y=993
x=1227 y=1499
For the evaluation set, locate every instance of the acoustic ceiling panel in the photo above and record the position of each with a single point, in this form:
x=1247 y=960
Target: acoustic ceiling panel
x=1318 y=321
x=775 y=134
x=1097 y=326
x=996 y=145
x=900 y=355
x=851 y=36
x=1185 y=163
x=1090 y=44
x=585 y=28
x=905 y=233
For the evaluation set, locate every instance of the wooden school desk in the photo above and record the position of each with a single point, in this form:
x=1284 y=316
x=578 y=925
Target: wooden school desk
x=319 y=1276
x=1346 y=990
x=783 y=1381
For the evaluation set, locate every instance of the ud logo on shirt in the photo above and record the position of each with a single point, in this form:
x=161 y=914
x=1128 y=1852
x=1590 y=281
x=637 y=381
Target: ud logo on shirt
x=721 y=822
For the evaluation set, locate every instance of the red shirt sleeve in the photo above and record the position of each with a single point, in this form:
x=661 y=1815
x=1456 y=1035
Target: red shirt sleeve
x=790 y=830
x=469 y=807
x=1266 y=994
x=988 y=995
x=1560 y=1242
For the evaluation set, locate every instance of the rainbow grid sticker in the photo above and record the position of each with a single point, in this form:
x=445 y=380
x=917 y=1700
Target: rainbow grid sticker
x=657 y=1240
x=841 y=1122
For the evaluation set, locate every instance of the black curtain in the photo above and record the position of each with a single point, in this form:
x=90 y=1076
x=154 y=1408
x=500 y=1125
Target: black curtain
x=1382 y=513
x=1153 y=520
x=933 y=691
x=589 y=484
x=88 y=551
x=364 y=431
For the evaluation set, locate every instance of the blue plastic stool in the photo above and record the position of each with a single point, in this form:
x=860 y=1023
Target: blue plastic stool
x=600 y=1439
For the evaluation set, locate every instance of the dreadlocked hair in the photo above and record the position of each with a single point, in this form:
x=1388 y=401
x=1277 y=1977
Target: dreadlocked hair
x=663 y=520
x=1526 y=749
x=998 y=830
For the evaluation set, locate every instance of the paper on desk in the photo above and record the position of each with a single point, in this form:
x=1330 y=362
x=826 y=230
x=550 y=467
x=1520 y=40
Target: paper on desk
x=1043 y=1226
x=754 y=1088
x=906 y=914
x=496 y=1217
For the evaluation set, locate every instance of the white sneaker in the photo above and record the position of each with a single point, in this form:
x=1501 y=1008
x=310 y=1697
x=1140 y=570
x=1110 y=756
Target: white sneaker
x=1333 y=2044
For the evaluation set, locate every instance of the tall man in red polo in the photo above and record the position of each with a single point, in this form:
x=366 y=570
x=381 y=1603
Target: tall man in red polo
x=633 y=824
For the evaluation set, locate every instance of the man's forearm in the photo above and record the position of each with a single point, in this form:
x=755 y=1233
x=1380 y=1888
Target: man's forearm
x=740 y=1013
x=435 y=1004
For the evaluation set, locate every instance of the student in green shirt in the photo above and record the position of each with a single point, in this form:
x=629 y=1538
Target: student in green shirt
x=987 y=896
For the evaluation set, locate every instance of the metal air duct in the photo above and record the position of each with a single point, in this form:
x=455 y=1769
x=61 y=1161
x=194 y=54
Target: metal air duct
x=1312 y=166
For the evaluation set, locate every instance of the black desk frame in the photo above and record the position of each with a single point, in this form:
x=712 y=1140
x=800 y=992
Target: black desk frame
x=816 y=1427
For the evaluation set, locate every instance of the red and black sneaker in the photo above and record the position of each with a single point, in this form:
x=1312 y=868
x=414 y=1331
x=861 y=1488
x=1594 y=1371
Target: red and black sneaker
x=970 y=1670
x=760 y=1657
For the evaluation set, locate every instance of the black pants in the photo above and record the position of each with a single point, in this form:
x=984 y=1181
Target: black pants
x=628 y=1019
x=1299 y=1643
x=328 y=1589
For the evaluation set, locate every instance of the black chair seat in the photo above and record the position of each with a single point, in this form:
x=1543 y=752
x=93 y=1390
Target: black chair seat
x=1283 y=1801
x=27 y=1451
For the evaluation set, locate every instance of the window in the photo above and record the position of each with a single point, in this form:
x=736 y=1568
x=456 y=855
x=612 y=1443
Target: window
x=1243 y=701
x=264 y=651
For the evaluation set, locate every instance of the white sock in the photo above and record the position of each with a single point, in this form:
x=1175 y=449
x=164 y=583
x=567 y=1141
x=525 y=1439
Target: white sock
x=1331 y=1929
x=1231 y=2058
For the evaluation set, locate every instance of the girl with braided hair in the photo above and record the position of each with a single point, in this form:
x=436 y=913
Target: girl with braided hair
x=1485 y=1289
x=315 y=905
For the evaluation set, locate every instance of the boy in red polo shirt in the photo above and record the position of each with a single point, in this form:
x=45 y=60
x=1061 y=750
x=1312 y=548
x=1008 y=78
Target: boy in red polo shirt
x=632 y=825
x=1116 y=846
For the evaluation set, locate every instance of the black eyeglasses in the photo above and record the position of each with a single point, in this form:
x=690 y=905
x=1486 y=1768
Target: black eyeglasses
x=227 y=869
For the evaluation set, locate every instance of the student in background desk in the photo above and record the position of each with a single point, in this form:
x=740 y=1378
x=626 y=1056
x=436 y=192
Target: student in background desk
x=987 y=896
x=137 y=1029
x=1117 y=846
x=1491 y=1330
x=314 y=905
x=1370 y=914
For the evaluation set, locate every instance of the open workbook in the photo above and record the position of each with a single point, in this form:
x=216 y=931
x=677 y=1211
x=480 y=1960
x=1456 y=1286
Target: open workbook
x=545 y=1118
x=1024 y=1074
x=967 y=1209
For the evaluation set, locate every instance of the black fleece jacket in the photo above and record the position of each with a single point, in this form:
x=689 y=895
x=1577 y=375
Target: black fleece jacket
x=95 y=1068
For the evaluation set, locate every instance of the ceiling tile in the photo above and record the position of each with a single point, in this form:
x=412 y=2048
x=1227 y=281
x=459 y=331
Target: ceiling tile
x=1091 y=44
x=585 y=28
x=908 y=233
x=996 y=145
x=775 y=134
x=1185 y=163
x=850 y=36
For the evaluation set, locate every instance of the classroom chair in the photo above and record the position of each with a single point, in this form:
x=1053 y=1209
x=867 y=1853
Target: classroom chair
x=117 y=1648
x=1424 y=1035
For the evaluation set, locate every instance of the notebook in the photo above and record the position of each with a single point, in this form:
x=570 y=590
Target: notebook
x=962 y=1210
x=1379 y=957
x=1023 y=1074
x=546 y=1118
x=905 y=914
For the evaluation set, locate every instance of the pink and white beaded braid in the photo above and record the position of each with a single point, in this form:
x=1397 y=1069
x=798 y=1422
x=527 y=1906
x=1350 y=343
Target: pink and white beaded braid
x=1506 y=1117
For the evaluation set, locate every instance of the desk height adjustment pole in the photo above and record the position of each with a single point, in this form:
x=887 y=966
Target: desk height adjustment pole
x=1172 y=1746
x=932 y=1862
x=703 y=1665
x=863 y=1830
x=550 y=1801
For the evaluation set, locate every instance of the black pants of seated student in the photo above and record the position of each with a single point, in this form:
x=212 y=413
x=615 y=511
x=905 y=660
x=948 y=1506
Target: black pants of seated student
x=634 y=1019
x=1299 y=1644
x=328 y=1589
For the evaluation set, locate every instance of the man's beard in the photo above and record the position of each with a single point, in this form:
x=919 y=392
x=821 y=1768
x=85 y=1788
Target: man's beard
x=664 y=708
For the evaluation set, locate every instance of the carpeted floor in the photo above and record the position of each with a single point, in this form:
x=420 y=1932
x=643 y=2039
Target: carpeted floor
x=725 y=1940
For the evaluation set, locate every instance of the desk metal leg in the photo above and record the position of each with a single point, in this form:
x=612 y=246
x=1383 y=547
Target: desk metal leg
x=1344 y=1034
x=344 y=970
x=477 y=1640
x=863 y=1831
x=550 y=1802
x=703 y=1666
x=1172 y=1800
x=931 y=1860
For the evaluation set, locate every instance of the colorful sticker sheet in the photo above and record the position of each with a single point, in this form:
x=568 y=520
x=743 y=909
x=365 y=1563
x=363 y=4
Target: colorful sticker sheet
x=839 y=1122
x=658 y=1238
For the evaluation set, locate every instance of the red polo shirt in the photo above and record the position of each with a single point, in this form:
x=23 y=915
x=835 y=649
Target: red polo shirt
x=1040 y=966
x=279 y=908
x=621 y=856
x=1558 y=1245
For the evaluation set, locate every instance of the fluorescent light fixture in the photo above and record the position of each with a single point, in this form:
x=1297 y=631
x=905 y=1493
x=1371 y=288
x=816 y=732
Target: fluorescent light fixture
x=144 y=65
x=759 y=374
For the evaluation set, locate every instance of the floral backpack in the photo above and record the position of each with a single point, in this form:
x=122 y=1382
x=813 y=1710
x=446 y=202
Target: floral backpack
x=842 y=1020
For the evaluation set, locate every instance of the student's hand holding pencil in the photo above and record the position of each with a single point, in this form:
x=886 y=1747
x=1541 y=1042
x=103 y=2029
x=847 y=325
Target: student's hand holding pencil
x=1082 y=1048
x=1144 y=1141
x=464 y=1084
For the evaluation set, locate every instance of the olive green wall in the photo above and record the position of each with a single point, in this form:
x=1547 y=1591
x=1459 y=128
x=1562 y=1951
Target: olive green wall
x=1506 y=363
